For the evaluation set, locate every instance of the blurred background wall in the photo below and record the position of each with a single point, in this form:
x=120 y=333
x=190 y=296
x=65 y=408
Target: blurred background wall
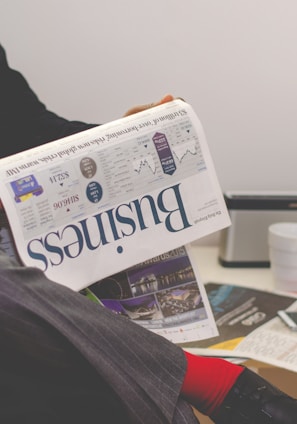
x=235 y=61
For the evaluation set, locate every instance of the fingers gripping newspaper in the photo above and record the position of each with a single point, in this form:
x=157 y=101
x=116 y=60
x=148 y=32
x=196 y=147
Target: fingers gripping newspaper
x=97 y=203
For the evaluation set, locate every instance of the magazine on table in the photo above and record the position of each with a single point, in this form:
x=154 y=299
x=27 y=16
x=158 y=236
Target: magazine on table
x=102 y=201
x=249 y=326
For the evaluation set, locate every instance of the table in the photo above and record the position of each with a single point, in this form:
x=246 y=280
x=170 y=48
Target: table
x=210 y=270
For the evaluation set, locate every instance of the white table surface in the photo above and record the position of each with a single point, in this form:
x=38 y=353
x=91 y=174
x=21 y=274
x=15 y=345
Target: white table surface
x=210 y=270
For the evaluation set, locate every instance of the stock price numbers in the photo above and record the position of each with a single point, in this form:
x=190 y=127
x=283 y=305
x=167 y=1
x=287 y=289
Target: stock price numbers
x=58 y=178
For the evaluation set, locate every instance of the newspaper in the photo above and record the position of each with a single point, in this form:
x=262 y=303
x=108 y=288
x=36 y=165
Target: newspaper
x=108 y=213
x=103 y=200
x=249 y=326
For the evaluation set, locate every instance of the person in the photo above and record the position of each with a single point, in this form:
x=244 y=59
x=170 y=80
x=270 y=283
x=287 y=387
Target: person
x=25 y=122
x=65 y=359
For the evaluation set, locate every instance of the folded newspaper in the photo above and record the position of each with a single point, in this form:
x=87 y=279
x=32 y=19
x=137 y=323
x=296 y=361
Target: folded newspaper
x=97 y=203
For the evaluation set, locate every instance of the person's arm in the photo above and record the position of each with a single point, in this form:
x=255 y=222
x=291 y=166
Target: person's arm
x=63 y=345
x=25 y=122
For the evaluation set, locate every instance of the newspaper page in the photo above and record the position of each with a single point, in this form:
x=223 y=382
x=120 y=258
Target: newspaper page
x=163 y=294
x=249 y=327
x=98 y=202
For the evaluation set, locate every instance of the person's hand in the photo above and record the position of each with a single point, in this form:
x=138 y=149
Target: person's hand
x=140 y=108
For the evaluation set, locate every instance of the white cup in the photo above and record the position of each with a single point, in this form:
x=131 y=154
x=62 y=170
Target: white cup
x=282 y=242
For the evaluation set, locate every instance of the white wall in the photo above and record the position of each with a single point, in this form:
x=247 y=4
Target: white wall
x=235 y=61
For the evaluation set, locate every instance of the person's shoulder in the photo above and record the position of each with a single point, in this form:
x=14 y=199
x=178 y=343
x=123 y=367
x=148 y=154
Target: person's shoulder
x=3 y=60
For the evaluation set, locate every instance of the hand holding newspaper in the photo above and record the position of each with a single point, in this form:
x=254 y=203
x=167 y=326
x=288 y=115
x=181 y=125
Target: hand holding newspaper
x=101 y=201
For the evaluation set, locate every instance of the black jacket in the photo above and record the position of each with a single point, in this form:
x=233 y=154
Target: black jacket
x=24 y=120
